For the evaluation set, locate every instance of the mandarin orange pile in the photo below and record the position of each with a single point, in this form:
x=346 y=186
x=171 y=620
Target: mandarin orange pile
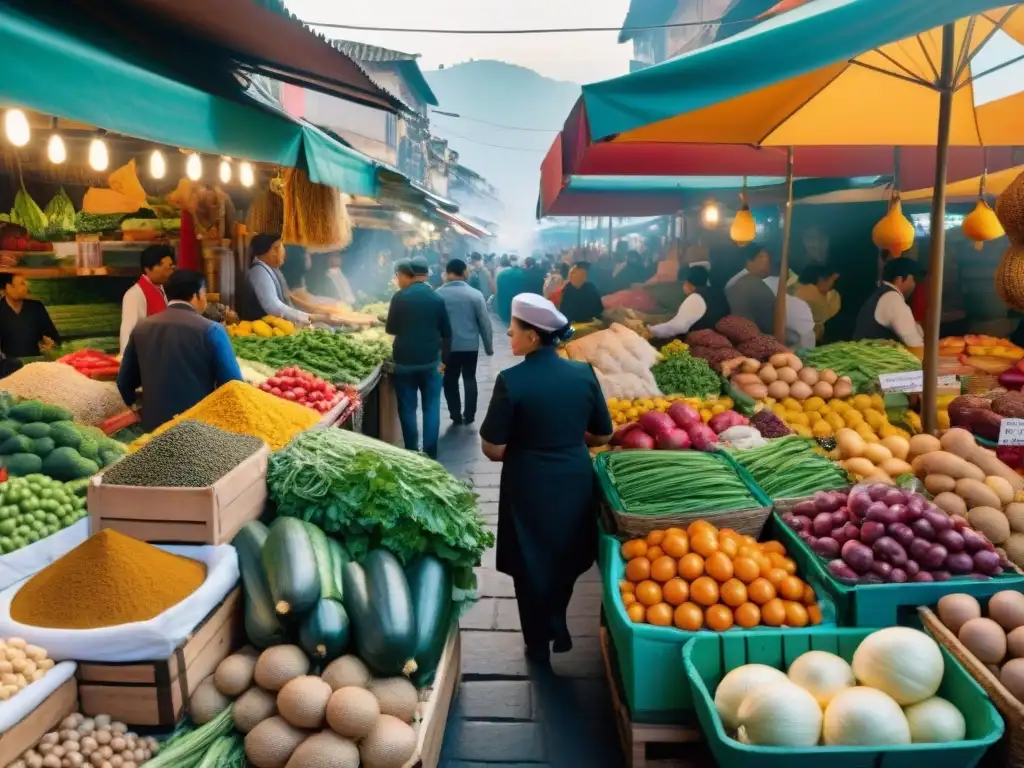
x=705 y=577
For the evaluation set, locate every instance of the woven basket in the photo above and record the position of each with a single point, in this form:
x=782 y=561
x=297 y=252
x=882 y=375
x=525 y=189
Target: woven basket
x=749 y=522
x=1012 y=743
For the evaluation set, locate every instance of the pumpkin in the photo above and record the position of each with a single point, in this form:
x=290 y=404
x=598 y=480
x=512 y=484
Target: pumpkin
x=894 y=233
x=743 y=229
x=981 y=224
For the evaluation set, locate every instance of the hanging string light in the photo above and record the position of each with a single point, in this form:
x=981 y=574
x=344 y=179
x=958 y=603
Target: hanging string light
x=16 y=127
x=246 y=174
x=157 y=164
x=55 y=149
x=99 y=158
x=194 y=166
x=710 y=214
x=225 y=170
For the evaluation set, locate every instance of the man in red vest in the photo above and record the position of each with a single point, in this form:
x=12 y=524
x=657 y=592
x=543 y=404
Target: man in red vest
x=146 y=297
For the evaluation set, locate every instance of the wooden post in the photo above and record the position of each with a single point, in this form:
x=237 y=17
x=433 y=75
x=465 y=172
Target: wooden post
x=933 y=318
x=787 y=227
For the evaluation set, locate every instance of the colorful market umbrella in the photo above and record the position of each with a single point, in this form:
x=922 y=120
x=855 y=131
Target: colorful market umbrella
x=836 y=72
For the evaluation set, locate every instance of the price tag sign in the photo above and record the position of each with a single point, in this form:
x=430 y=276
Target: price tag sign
x=911 y=382
x=1011 y=432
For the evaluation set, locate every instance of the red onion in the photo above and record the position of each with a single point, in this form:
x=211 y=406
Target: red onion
x=842 y=572
x=934 y=558
x=941 y=575
x=825 y=501
x=923 y=529
x=839 y=534
x=898 y=576
x=822 y=525
x=805 y=508
x=959 y=522
x=877 y=491
x=826 y=547
x=871 y=531
x=922 y=576
x=951 y=540
x=840 y=517
x=851 y=531
x=912 y=569
x=902 y=533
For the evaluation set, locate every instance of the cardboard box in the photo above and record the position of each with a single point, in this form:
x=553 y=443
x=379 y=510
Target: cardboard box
x=156 y=693
x=40 y=721
x=182 y=515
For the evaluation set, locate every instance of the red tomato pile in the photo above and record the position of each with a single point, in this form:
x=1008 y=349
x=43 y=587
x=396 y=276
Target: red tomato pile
x=92 y=363
x=303 y=388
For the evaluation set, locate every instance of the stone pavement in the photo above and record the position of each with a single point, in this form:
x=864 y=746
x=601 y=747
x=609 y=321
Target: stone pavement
x=508 y=715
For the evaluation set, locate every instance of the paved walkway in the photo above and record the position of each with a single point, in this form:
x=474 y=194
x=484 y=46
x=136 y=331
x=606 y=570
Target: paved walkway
x=506 y=714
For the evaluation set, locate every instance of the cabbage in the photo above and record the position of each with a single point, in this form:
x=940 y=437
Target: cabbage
x=864 y=717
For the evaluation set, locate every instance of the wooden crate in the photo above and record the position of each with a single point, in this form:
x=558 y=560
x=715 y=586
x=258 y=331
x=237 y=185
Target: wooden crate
x=434 y=710
x=649 y=745
x=156 y=693
x=27 y=732
x=183 y=515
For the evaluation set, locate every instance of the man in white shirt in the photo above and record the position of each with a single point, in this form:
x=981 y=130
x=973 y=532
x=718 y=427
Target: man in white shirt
x=886 y=314
x=799 y=318
x=147 y=296
x=692 y=311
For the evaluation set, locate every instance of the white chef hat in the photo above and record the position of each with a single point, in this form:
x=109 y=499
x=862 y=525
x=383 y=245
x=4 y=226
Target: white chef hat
x=538 y=312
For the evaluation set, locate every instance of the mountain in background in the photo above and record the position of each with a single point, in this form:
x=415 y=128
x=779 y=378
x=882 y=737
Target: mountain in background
x=489 y=94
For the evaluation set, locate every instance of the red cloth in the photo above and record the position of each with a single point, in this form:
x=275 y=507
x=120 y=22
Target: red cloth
x=556 y=295
x=155 y=300
x=919 y=301
x=188 y=246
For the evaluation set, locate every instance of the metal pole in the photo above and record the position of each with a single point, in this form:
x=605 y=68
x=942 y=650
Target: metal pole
x=933 y=318
x=579 y=234
x=780 y=298
x=611 y=235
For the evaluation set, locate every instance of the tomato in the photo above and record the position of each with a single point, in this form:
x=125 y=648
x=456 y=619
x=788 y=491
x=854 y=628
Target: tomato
x=276 y=391
x=289 y=395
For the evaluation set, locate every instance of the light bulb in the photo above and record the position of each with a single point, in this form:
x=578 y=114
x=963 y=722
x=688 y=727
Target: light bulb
x=406 y=218
x=194 y=167
x=55 y=150
x=225 y=172
x=99 y=159
x=710 y=214
x=246 y=175
x=16 y=127
x=157 y=164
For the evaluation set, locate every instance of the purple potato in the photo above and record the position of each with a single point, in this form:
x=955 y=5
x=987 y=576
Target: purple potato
x=951 y=540
x=879 y=511
x=822 y=525
x=899 y=513
x=987 y=562
x=922 y=576
x=871 y=531
x=877 y=491
x=915 y=506
x=923 y=529
x=808 y=538
x=902 y=533
x=898 y=576
x=918 y=549
x=894 y=496
x=941 y=575
x=912 y=568
x=805 y=508
x=824 y=501
x=858 y=556
x=881 y=568
x=959 y=522
x=842 y=572
x=851 y=531
x=889 y=549
x=859 y=503
x=939 y=520
x=934 y=558
x=961 y=563
x=839 y=534
x=973 y=541
x=840 y=517
x=827 y=547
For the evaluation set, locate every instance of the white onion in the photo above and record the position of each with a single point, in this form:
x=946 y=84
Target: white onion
x=737 y=684
x=822 y=675
x=781 y=715
x=902 y=662
x=934 y=721
x=864 y=717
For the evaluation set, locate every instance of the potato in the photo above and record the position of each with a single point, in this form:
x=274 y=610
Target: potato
x=843 y=387
x=876 y=453
x=1000 y=488
x=750 y=365
x=794 y=362
x=894 y=467
x=823 y=390
x=936 y=484
x=945 y=463
x=961 y=443
x=779 y=360
x=778 y=390
x=768 y=374
x=808 y=376
x=743 y=379
x=976 y=494
x=829 y=376
x=786 y=374
x=898 y=446
x=951 y=504
x=850 y=444
x=757 y=391
x=799 y=390
x=922 y=444
x=858 y=466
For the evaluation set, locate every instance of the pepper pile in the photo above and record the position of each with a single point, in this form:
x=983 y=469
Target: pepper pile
x=92 y=363
x=303 y=388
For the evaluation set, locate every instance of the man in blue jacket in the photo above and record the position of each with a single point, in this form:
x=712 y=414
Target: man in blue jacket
x=178 y=357
x=467 y=313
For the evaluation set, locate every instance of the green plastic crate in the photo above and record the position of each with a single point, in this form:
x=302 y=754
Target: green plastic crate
x=707 y=659
x=649 y=657
x=881 y=605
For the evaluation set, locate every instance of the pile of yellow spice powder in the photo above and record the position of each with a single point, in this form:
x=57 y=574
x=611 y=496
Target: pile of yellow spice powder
x=245 y=410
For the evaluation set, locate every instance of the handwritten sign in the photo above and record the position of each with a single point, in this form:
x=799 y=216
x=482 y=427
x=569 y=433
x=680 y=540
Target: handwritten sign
x=911 y=382
x=1011 y=432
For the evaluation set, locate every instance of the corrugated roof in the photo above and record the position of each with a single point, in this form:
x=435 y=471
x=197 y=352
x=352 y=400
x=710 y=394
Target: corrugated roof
x=364 y=53
x=646 y=13
x=367 y=52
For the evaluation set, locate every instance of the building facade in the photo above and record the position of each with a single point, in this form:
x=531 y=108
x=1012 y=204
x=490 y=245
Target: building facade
x=478 y=200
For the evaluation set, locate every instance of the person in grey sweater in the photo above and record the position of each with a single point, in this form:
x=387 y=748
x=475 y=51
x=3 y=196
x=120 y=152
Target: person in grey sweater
x=471 y=324
x=747 y=293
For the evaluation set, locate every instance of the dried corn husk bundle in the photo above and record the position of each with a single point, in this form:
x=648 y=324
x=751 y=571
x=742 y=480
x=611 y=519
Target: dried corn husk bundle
x=314 y=214
x=266 y=214
x=1009 y=277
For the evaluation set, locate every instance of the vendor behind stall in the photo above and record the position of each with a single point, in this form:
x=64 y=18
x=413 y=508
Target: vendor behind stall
x=268 y=289
x=178 y=357
x=147 y=296
x=581 y=301
x=886 y=314
x=702 y=308
x=26 y=329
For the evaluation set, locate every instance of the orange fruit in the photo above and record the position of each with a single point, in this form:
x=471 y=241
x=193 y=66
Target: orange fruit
x=763 y=563
x=729 y=546
x=719 y=567
x=633 y=548
x=773 y=548
x=718 y=618
x=691 y=566
x=792 y=588
x=747 y=615
x=796 y=614
x=628 y=598
x=733 y=593
x=625 y=585
x=648 y=593
x=704 y=544
x=789 y=566
x=760 y=591
x=773 y=613
x=660 y=615
x=663 y=569
x=748 y=551
x=814 y=614
x=654 y=538
x=636 y=613
x=749 y=541
x=809 y=597
x=638 y=569
x=704 y=591
x=776 y=576
x=745 y=569
x=675 y=532
x=653 y=553
x=676 y=545
x=698 y=526
x=688 y=616
x=675 y=591
x=728 y=532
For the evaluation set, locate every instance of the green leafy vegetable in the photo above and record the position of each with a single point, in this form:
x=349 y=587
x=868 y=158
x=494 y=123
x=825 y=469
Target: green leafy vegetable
x=370 y=494
x=60 y=213
x=684 y=374
x=341 y=358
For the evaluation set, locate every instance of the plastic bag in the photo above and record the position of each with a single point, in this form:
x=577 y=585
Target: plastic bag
x=28 y=699
x=30 y=560
x=141 y=640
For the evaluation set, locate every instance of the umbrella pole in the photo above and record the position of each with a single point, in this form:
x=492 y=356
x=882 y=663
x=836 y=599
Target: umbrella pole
x=933 y=318
x=787 y=226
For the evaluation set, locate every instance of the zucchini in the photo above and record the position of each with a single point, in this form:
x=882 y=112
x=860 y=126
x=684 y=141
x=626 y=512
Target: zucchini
x=261 y=622
x=289 y=560
x=383 y=620
x=324 y=562
x=324 y=631
x=430 y=586
x=339 y=556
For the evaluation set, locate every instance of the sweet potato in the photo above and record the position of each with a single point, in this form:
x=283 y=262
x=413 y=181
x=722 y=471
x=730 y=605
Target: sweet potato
x=922 y=444
x=936 y=484
x=946 y=463
x=961 y=442
x=977 y=494
x=951 y=504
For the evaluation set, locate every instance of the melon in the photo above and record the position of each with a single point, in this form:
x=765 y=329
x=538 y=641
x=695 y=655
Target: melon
x=271 y=743
x=352 y=712
x=303 y=701
x=389 y=744
x=345 y=671
x=279 y=664
x=325 y=750
x=234 y=675
x=252 y=708
x=397 y=697
x=207 y=702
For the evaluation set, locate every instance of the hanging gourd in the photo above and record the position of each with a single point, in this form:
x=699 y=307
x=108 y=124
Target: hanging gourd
x=1009 y=276
x=894 y=233
x=982 y=224
x=743 y=229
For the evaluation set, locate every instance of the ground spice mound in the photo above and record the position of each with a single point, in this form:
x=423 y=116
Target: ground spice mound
x=245 y=410
x=107 y=580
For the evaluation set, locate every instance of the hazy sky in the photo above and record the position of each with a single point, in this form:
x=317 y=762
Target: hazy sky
x=576 y=57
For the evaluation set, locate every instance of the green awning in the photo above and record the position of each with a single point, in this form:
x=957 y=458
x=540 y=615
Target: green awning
x=50 y=70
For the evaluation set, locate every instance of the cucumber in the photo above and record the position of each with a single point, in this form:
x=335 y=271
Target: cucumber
x=324 y=631
x=289 y=560
x=324 y=562
x=261 y=622
x=383 y=620
x=339 y=556
x=430 y=586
